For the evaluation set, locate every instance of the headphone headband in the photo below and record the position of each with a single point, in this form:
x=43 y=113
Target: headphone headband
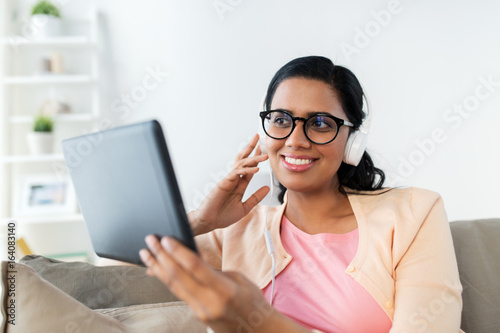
x=367 y=122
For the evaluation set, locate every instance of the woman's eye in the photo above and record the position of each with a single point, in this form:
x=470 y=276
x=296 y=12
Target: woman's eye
x=281 y=121
x=321 y=124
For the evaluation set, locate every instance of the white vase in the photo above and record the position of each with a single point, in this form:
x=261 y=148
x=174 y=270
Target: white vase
x=44 y=26
x=40 y=142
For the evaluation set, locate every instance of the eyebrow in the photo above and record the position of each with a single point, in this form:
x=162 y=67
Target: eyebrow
x=309 y=114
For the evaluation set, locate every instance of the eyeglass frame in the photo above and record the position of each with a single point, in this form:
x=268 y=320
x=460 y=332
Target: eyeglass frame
x=340 y=122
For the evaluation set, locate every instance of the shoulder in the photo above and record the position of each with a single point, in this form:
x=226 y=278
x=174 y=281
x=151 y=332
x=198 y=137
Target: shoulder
x=413 y=203
x=399 y=195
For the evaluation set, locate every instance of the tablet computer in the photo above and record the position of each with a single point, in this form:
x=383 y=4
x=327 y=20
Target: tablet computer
x=126 y=187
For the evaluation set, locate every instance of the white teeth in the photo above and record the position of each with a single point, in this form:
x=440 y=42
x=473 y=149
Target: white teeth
x=297 y=161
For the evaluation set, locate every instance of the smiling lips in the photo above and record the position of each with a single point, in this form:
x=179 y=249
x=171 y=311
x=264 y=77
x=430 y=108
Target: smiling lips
x=298 y=163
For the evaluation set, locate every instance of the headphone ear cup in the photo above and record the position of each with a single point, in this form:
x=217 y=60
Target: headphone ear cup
x=355 y=147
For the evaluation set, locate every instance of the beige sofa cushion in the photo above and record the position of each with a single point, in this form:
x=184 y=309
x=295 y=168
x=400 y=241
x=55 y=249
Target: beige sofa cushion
x=101 y=287
x=42 y=307
x=477 y=246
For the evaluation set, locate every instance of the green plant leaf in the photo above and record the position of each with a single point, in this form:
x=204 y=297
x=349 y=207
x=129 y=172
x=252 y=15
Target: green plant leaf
x=43 y=124
x=45 y=7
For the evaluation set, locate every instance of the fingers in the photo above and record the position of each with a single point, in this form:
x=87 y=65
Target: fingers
x=160 y=272
x=161 y=264
x=242 y=161
x=216 y=298
x=257 y=197
x=248 y=148
x=245 y=153
x=258 y=151
x=250 y=161
x=230 y=182
x=184 y=273
x=190 y=262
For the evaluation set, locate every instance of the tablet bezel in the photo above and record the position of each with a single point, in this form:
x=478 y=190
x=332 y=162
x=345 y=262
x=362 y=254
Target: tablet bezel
x=106 y=173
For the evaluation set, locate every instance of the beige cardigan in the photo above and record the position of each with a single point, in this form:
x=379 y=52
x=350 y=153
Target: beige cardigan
x=405 y=258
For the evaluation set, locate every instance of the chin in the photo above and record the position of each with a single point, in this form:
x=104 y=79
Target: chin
x=298 y=186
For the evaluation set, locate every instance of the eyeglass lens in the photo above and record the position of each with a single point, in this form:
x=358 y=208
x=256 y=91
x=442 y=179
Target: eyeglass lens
x=319 y=129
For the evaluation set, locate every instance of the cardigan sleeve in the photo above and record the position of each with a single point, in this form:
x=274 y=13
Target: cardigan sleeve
x=210 y=247
x=427 y=284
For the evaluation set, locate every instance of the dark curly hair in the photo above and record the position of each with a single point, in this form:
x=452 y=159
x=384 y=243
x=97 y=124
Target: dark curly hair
x=365 y=176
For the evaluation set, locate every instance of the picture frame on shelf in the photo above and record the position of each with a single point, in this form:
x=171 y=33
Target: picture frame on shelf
x=44 y=194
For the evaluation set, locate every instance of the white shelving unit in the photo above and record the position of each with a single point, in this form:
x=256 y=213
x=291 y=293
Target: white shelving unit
x=81 y=84
x=64 y=41
x=46 y=79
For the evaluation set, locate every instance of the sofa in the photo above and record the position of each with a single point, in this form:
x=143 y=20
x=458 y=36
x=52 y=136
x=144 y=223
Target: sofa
x=55 y=296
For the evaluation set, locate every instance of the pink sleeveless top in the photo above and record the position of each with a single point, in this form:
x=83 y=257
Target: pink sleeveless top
x=313 y=289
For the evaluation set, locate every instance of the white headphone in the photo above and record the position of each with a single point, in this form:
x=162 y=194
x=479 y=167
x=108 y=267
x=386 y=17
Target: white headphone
x=356 y=143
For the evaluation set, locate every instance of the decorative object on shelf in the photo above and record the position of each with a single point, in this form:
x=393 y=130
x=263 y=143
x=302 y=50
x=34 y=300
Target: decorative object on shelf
x=77 y=88
x=54 y=106
x=43 y=66
x=45 y=20
x=56 y=63
x=50 y=65
x=41 y=139
x=44 y=194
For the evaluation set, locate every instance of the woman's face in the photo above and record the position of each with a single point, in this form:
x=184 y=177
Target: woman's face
x=317 y=167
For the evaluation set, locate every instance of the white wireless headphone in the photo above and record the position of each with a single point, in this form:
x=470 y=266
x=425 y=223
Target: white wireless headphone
x=356 y=143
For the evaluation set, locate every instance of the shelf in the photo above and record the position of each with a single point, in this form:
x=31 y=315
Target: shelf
x=32 y=158
x=39 y=219
x=70 y=41
x=70 y=117
x=45 y=79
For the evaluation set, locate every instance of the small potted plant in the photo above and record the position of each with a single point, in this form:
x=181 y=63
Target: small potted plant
x=41 y=139
x=45 y=20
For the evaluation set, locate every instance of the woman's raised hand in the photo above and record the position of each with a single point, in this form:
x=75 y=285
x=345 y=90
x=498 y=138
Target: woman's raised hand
x=223 y=206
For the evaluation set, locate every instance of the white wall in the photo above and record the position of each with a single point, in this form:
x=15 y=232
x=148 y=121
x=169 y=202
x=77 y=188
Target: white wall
x=422 y=61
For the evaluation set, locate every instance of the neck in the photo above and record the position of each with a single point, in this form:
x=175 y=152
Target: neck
x=319 y=211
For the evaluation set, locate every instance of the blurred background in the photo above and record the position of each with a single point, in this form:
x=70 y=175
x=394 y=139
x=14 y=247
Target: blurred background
x=431 y=71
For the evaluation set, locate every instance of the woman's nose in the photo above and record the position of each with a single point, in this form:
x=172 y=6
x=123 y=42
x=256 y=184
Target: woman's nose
x=297 y=138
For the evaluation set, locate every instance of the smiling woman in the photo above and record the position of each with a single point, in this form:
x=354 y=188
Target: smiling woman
x=351 y=256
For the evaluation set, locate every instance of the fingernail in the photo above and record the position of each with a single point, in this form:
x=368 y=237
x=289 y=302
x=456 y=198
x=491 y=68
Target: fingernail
x=144 y=254
x=166 y=244
x=150 y=240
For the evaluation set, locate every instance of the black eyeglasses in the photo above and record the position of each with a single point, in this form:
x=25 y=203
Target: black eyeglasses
x=320 y=128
